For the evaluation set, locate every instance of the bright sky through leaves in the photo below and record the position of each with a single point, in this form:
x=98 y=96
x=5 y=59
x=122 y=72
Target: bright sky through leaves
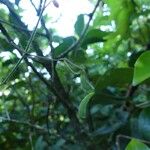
x=62 y=18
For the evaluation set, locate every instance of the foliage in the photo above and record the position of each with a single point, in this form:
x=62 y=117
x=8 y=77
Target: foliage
x=91 y=91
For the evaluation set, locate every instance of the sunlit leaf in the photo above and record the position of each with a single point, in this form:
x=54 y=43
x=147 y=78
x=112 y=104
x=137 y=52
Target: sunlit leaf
x=84 y=106
x=136 y=145
x=142 y=70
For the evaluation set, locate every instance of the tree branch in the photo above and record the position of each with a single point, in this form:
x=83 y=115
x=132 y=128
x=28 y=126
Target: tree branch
x=21 y=28
x=5 y=120
x=26 y=49
x=78 y=42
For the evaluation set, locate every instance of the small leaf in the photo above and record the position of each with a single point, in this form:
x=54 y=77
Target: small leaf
x=94 y=36
x=67 y=42
x=79 y=25
x=142 y=70
x=144 y=123
x=84 y=105
x=136 y=145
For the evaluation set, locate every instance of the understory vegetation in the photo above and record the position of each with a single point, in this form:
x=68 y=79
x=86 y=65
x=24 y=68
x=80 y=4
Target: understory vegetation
x=87 y=91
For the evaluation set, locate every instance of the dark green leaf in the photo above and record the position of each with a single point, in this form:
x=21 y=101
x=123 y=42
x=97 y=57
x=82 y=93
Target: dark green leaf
x=79 y=25
x=67 y=42
x=79 y=56
x=115 y=77
x=144 y=123
x=94 y=36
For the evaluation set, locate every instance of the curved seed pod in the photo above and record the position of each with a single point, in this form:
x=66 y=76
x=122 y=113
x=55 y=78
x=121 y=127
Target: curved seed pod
x=55 y=3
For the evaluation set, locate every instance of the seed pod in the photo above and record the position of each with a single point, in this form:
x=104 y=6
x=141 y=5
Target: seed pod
x=55 y=3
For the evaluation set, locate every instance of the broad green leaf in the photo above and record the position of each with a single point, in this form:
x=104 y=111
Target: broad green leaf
x=142 y=68
x=123 y=22
x=78 y=56
x=106 y=129
x=84 y=106
x=134 y=57
x=120 y=12
x=104 y=97
x=57 y=39
x=67 y=42
x=144 y=123
x=136 y=145
x=79 y=25
x=117 y=119
x=101 y=20
x=94 y=36
x=115 y=77
x=40 y=144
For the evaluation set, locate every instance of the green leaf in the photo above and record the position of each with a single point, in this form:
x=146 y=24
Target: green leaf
x=84 y=106
x=144 y=123
x=133 y=58
x=104 y=97
x=121 y=12
x=78 y=56
x=115 y=77
x=94 y=36
x=142 y=70
x=85 y=83
x=136 y=145
x=67 y=42
x=40 y=144
x=79 y=25
x=106 y=129
x=117 y=119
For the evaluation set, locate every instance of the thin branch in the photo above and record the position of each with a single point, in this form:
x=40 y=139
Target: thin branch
x=26 y=49
x=5 y=120
x=47 y=118
x=131 y=90
x=31 y=141
x=21 y=28
x=10 y=41
x=48 y=36
x=58 y=88
x=78 y=42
